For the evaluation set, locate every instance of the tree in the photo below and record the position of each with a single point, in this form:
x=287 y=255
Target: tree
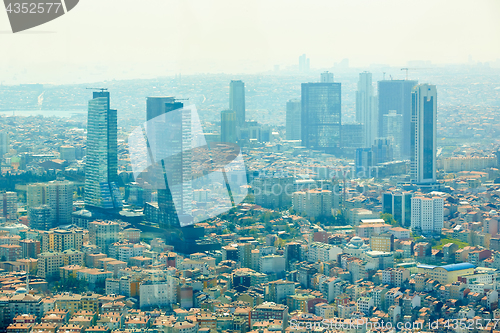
x=389 y=219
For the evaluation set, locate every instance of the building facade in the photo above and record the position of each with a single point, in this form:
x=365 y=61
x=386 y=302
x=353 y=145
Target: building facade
x=101 y=168
x=427 y=214
x=396 y=95
x=424 y=134
x=293 y=116
x=366 y=108
x=321 y=116
x=237 y=100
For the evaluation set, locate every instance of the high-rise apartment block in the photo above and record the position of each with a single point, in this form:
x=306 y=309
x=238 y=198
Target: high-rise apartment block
x=293 y=116
x=237 y=100
x=101 y=169
x=321 y=116
x=424 y=134
x=40 y=218
x=427 y=214
x=314 y=203
x=103 y=233
x=9 y=205
x=366 y=108
x=60 y=200
x=57 y=195
x=36 y=195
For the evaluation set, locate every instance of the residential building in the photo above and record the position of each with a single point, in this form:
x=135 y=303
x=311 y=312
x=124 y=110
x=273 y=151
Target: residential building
x=427 y=214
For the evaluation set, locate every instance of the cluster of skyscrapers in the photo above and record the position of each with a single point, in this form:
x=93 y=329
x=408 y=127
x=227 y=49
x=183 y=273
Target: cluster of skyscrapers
x=397 y=124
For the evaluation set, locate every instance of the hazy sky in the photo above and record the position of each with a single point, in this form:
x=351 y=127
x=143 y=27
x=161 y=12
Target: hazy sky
x=138 y=38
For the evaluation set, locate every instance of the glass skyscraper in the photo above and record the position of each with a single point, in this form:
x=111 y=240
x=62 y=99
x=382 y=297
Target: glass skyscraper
x=366 y=108
x=424 y=133
x=174 y=186
x=237 y=100
x=321 y=116
x=101 y=169
x=396 y=95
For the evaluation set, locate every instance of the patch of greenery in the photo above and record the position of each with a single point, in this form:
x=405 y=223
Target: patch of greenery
x=445 y=241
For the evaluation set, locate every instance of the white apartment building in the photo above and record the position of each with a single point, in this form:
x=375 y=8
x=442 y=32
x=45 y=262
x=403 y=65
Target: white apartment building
x=314 y=203
x=427 y=214
x=322 y=252
x=159 y=293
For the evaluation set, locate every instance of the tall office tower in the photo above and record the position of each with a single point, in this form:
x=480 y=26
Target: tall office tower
x=60 y=200
x=321 y=116
x=177 y=166
x=156 y=106
x=326 y=77
x=399 y=205
x=366 y=108
x=4 y=143
x=363 y=162
x=424 y=134
x=393 y=129
x=237 y=100
x=10 y=206
x=304 y=64
x=293 y=116
x=228 y=126
x=427 y=214
x=382 y=151
x=40 y=218
x=396 y=95
x=101 y=169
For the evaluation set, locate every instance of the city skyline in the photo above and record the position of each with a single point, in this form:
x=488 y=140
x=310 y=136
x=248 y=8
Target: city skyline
x=259 y=43
x=250 y=167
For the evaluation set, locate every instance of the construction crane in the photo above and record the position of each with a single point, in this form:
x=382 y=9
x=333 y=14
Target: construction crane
x=407 y=69
x=101 y=89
